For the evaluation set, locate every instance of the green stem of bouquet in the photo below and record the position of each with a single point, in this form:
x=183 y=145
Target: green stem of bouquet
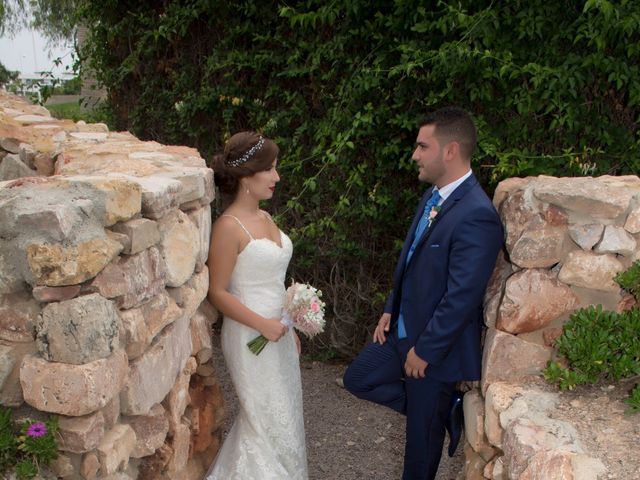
x=257 y=344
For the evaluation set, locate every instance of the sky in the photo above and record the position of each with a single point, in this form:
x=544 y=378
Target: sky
x=29 y=52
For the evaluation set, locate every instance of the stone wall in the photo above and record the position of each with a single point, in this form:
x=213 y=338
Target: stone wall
x=566 y=239
x=103 y=317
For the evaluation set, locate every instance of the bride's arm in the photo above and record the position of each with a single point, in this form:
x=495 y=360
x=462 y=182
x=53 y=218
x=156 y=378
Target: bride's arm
x=226 y=240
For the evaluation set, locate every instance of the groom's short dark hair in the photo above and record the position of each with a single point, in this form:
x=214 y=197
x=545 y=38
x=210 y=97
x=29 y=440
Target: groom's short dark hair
x=453 y=124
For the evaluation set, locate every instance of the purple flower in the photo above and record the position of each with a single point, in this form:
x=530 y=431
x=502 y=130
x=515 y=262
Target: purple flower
x=37 y=429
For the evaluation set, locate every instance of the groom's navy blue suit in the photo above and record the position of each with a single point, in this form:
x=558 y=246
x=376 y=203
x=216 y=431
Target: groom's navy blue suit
x=441 y=289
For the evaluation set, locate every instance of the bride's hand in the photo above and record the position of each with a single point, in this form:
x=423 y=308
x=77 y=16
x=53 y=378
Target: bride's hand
x=272 y=329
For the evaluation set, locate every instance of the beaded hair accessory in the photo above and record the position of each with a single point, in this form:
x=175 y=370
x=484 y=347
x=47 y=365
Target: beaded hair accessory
x=247 y=155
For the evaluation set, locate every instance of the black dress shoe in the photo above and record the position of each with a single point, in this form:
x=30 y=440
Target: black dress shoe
x=454 y=421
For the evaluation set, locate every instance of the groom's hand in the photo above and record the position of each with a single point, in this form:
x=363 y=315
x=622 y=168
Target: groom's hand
x=414 y=366
x=379 y=334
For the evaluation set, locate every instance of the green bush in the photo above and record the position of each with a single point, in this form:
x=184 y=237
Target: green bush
x=554 y=87
x=597 y=344
x=28 y=446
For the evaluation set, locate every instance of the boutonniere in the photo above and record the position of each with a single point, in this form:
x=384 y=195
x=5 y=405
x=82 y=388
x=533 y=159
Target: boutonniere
x=433 y=214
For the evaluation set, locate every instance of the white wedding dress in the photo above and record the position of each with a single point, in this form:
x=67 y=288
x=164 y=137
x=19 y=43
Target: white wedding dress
x=267 y=438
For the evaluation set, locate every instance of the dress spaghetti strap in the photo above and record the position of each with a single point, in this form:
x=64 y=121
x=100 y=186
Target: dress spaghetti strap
x=239 y=223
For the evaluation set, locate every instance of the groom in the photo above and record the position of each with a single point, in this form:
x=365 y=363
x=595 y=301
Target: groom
x=429 y=335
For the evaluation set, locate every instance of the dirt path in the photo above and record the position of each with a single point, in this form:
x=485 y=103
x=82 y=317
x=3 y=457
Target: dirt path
x=347 y=438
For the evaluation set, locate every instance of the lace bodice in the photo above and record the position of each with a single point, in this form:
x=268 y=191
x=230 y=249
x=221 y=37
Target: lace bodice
x=267 y=440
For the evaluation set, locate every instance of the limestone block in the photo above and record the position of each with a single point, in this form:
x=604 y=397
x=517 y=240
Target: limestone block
x=98 y=137
x=192 y=185
x=79 y=330
x=142 y=234
x=201 y=218
x=11 y=357
x=560 y=465
x=586 y=236
x=151 y=431
x=11 y=281
x=532 y=299
x=473 y=464
x=72 y=390
x=27 y=154
x=498 y=398
x=122 y=199
x=132 y=280
x=10 y=144
x=62 y=466
x=507 y=188
x=7 y=363
x=525 y=438
x=632 y=224
x=53 y=222
x=589 y=270
x=604 y=197
x=153 y=374
x=540 y=245
x=616 y=240
x=194 y=470
x=18 y=316
x=44 y=164
x=115 y=449
x=200 y=332
x=12 y=167
x=495 y=288
x=159 y=195
x=134 y=332
x=111 y=413
x=57 y=265
x=207 y=412
x=190 y=295
x=139 y=326
x=503 y=355
x=474 y=425
x=516 y=212
x=90 y=466
x=55 y=294
x=179 y=246
x=180 y=442
x=80 y=434
x=28 y=119
x=178 y=398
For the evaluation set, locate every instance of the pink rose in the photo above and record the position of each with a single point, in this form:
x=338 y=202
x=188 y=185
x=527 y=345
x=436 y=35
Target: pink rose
x=315 y=308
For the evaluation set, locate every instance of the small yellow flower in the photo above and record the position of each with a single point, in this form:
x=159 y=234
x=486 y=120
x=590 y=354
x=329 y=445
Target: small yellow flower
x=236 y=101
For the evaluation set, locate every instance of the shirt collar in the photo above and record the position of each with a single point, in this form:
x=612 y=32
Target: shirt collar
x=449 y=188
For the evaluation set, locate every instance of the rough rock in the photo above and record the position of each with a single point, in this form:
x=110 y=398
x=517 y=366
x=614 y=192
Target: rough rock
x=616 y=240
x=532 y=299
x=72 y=390
x=80 y=434
x=586 y=236
x=142 y=234
x=18 y=316
x=151 y=431
x=590 y=270
x=116 y=448
x=179 y=246
x=78 y=331
x=502 y=358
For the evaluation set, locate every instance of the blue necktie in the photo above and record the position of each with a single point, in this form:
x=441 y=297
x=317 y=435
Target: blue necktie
x=422 y=226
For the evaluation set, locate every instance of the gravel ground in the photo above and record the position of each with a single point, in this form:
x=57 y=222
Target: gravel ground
x=347 y=438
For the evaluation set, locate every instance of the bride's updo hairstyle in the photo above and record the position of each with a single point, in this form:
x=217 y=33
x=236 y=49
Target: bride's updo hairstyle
x=245 y=154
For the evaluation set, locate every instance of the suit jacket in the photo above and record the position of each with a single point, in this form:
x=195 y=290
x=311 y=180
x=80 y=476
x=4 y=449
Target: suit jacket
x=442 y=287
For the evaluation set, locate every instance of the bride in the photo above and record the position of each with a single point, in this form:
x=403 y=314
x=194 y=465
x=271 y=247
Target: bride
x=248 y=260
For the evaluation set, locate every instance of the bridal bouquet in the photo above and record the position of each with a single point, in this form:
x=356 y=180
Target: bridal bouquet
x=302 y=310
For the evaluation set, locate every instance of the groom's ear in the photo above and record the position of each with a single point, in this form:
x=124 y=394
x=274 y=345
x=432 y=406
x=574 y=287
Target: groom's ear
x=451 y=150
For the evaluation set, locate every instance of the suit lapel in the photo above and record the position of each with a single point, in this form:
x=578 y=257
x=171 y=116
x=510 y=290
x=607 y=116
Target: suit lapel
x=448 y=204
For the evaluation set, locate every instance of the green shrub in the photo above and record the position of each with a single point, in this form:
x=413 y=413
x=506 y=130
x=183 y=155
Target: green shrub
x=341 y=85
x=28 y=446
x=597 y=344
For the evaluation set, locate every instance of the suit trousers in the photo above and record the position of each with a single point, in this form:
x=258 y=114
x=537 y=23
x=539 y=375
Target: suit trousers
x=377 y=375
